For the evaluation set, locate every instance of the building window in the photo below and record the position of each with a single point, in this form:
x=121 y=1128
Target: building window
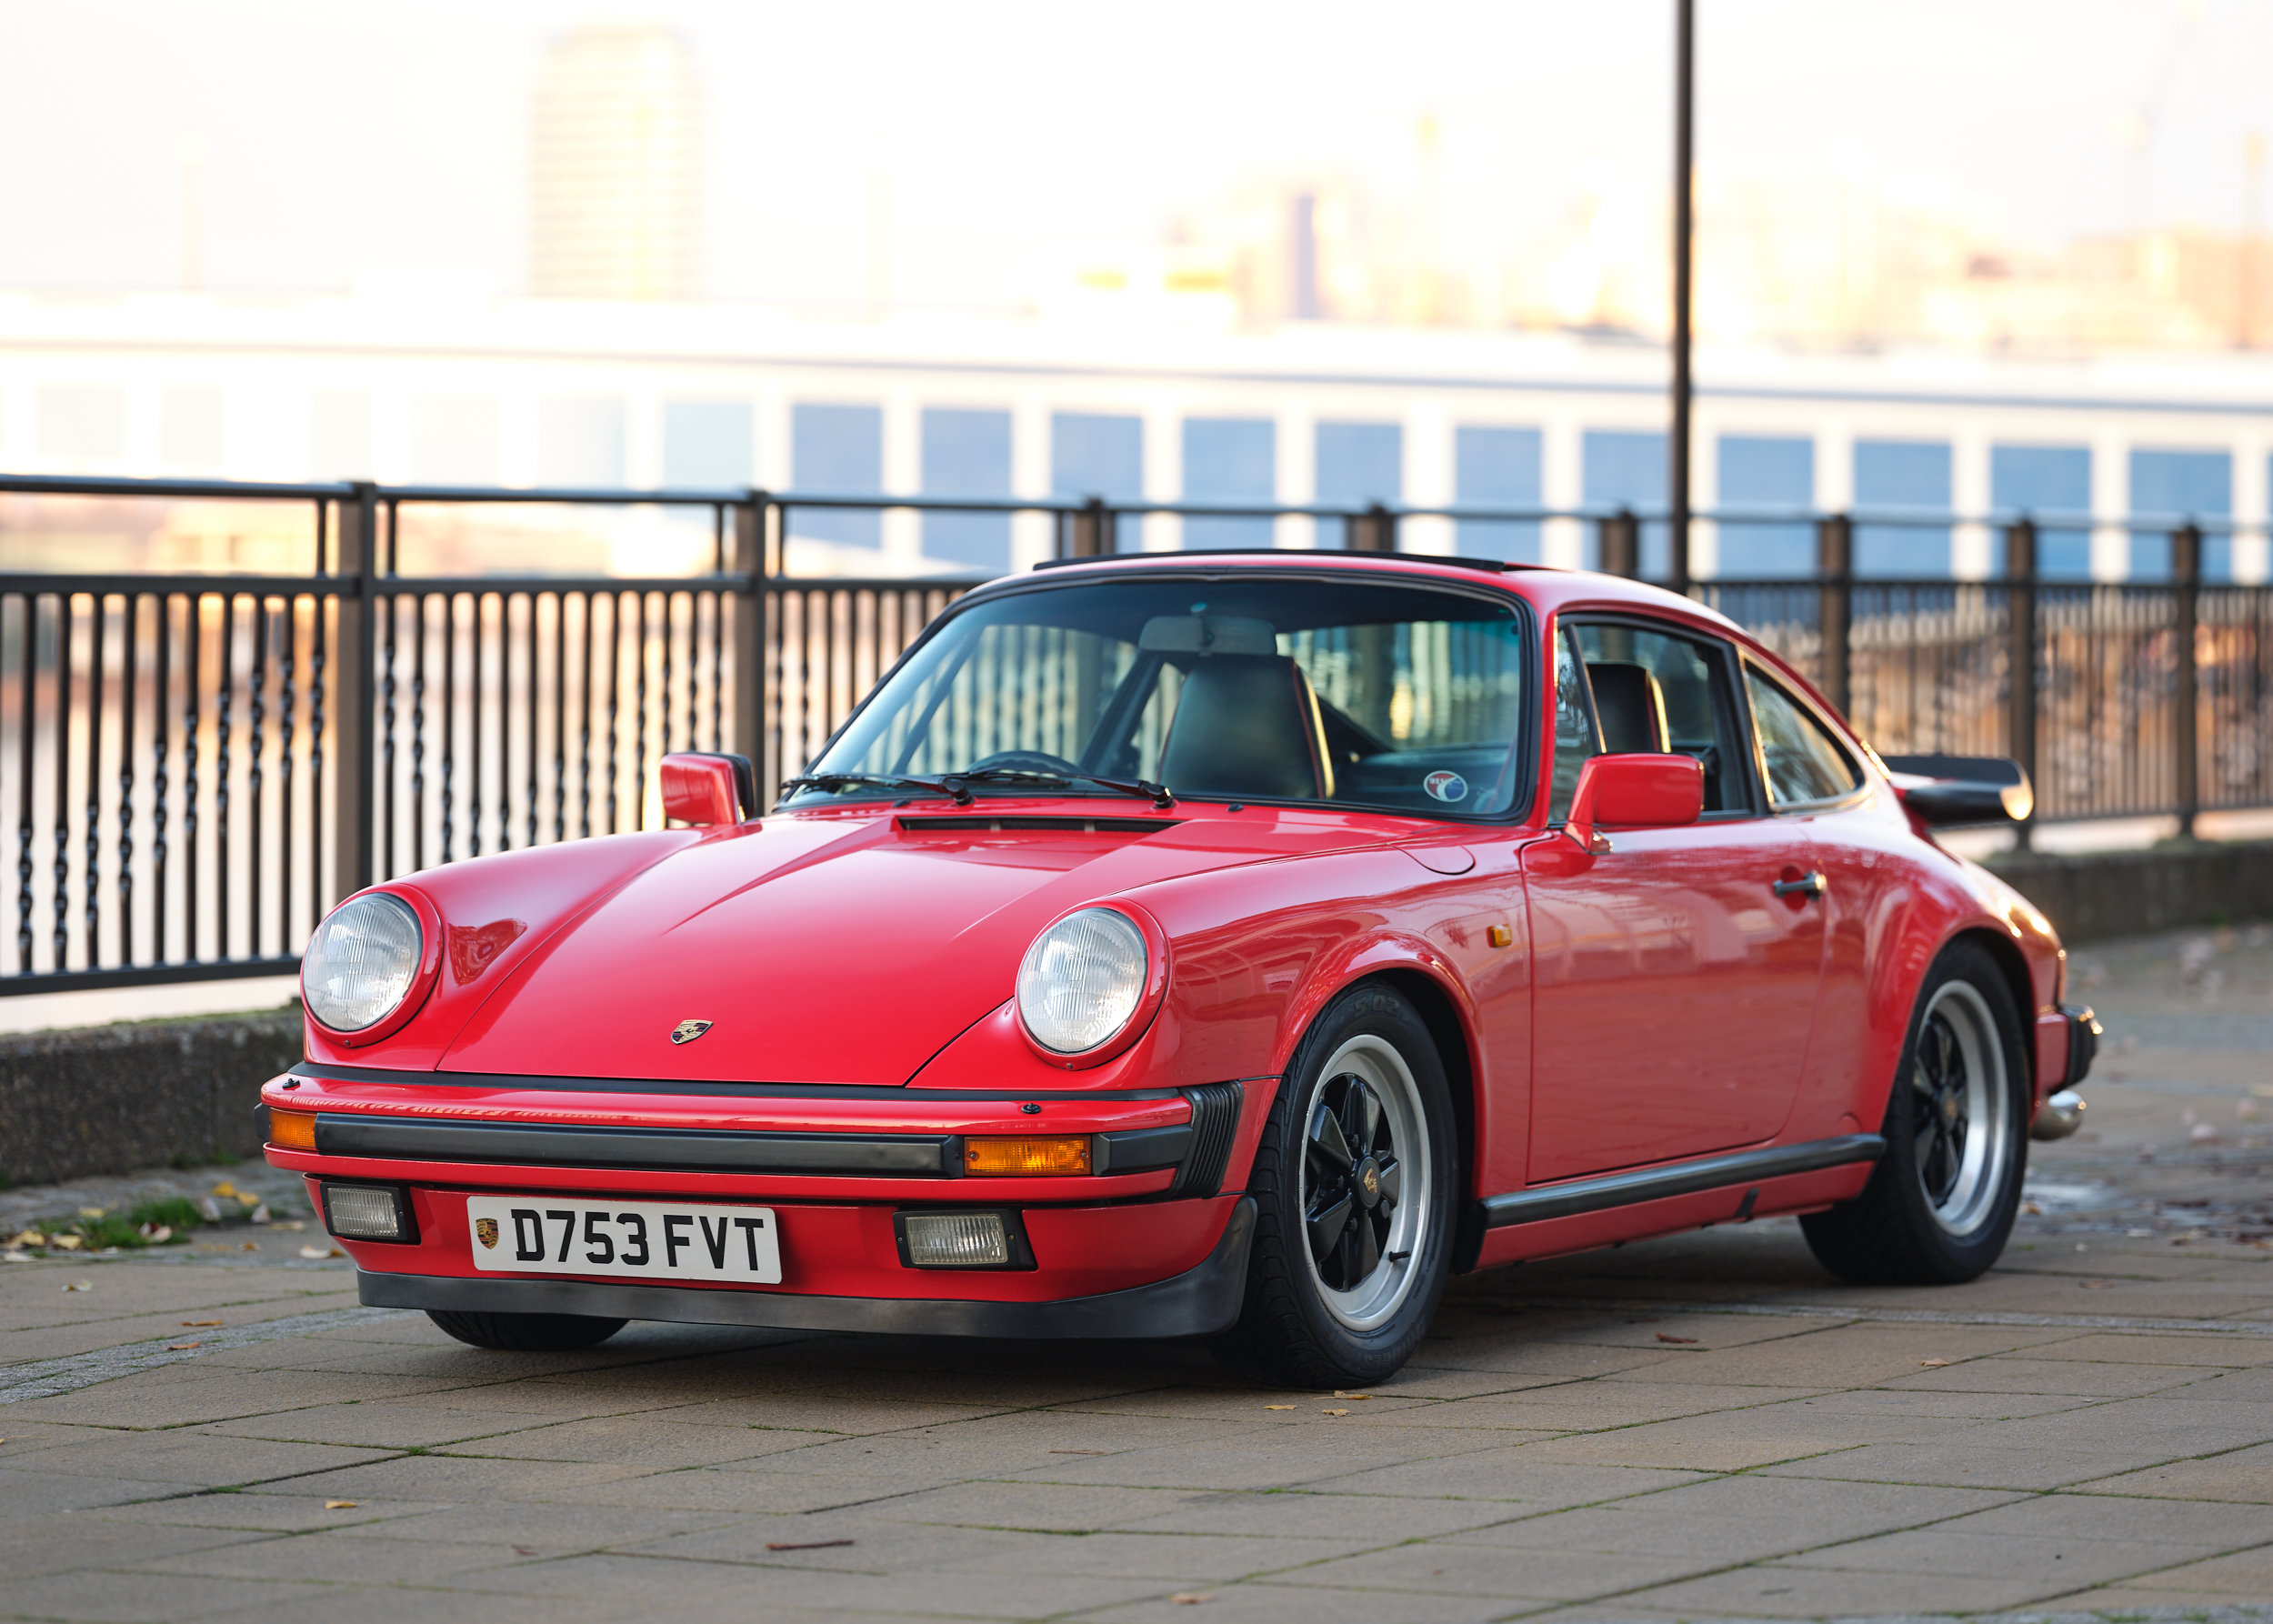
x=1094 y=454
x=1497 y=468
x=1626 y=469
x=1898 y=474
x=967 y=453
x=707 y=444
x=1759 y=472
x=1359 y=464
x=2178 y=485
x=836 y=450
x=1230 y=459
x=2039 y=480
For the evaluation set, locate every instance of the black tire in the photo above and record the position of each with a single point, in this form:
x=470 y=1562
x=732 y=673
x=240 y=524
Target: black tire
x=526 y=1333
x=1296 y=1328
x=1934 y=1213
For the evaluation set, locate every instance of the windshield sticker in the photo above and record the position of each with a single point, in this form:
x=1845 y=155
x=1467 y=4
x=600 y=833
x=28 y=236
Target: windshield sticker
x=1446 y=786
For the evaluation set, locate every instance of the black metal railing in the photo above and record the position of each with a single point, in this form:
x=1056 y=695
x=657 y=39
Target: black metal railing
x=198 y=765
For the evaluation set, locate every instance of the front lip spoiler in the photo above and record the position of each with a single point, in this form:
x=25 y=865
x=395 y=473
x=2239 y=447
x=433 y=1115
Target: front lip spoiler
x=1198 y=1302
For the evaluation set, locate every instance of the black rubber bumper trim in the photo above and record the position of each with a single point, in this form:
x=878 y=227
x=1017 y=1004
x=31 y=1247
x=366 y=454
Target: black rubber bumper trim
x=1683 y=1179
x=413 y=1138
x=2083 y=1043
x=1197 y=1303
x=318 y=1070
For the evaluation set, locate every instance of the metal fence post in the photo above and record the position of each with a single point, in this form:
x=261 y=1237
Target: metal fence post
x=1621 y=538
x=1835 y=618
x=355 y=779
x=1372 y=531
x=2020 y=655
x=2186 y=567
x=1092 y=535
x=751 y=687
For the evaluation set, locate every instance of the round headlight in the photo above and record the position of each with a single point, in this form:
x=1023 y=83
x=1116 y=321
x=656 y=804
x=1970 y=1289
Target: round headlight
x=1082 y=979
x=361 y=962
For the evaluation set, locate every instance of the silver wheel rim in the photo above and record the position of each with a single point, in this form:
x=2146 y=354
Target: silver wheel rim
x=1366 y=1182
x=1960 y=1109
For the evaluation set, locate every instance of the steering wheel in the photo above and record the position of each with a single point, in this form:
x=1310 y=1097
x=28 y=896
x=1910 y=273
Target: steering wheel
x=1032 y=761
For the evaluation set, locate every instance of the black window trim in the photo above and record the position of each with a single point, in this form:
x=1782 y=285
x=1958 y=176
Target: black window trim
x=1731 y=661
x=1848 y=751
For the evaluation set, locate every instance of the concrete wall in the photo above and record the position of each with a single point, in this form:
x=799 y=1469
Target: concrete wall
x=110 y=1099
x=2096 y=895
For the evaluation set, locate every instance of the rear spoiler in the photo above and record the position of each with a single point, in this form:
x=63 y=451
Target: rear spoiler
x=1953 y=791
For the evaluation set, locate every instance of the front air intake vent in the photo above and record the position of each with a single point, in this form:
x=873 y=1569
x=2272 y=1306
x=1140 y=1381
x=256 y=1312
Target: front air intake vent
x=1077 y=826
x=1214 y=1124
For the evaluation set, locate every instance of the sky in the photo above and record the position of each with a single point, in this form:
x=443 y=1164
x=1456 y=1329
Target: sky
x=1000 y=137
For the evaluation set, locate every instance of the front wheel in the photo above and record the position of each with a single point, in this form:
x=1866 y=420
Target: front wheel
x=1941 y=1203
x=1355 y=1183
x=525 y=1333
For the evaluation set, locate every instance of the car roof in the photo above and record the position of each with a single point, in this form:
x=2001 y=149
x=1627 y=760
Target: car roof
x=1546 y=587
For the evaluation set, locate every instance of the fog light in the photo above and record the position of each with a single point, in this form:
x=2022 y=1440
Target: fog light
x=291 y=1131
x=960 y=1240
x=368 y=1212
x=1025 y=1158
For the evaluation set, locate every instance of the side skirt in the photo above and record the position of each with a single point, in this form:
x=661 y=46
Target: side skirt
x=1682 y=1179
x=1198 y=1302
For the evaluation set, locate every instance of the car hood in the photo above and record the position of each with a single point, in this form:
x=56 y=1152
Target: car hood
x=829 y=949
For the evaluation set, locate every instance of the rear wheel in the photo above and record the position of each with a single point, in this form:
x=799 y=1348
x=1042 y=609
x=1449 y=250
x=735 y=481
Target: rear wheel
x=1941 y=1203
x=526 y=1333
x=1355 y=1185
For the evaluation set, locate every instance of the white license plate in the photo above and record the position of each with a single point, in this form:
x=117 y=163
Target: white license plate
x=643 y=1240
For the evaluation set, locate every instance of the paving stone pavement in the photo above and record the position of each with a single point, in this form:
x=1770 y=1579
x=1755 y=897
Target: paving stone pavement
x=1699 y=1428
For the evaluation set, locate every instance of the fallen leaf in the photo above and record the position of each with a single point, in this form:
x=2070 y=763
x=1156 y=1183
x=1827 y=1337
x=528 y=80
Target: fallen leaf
x=804 y=1544
x=1333 y=1412
x=1279 y=1407
x=2096 y=1285
x=1192 y=1597
x=524 y=1550
x=224 y=1189
x=321 y=1252
x=80 y=1286
x=1930 y=1364
x=260 y=1213
x=250 y=1245
x=69 y=1243
x=246 y=1199
x=29 y=1238
x=182 y=1347
x=1339 y=1394
x=194 y=1323
x=341 y=1505
x=155 y=1233
x=93 y=1212
x=18 y=1258
x=1663 y=1338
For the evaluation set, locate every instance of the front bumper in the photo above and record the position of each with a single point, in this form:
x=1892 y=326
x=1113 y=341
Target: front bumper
x=1199 y=1302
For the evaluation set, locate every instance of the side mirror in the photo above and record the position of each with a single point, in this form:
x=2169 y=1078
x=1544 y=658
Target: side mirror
x=1952 y=791
x=705 y=789
x=1634 y=792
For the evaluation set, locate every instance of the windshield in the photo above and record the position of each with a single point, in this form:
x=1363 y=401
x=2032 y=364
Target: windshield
x=1261 y=687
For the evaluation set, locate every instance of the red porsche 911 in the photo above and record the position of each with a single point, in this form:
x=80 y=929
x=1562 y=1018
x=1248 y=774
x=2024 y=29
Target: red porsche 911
x=1230 y=946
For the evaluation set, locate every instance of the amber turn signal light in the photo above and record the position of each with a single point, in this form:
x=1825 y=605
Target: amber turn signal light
x=291 y=1131
x=1025 y=1157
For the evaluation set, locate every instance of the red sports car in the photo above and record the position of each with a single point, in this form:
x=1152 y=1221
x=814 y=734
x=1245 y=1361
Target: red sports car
x=1235 y=946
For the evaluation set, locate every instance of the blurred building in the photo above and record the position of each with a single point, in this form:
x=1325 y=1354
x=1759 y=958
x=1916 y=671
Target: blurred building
x=616 y=182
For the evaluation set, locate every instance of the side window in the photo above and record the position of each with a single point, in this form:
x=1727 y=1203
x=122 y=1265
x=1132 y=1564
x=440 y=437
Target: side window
x=1661 y=693
x=1802 y=762
x=1576 y=736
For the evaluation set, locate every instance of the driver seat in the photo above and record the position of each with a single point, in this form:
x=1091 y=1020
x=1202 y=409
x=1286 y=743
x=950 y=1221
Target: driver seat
x=1248 y=724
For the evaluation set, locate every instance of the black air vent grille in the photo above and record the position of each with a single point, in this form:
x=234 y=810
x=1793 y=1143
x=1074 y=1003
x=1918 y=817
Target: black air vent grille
x=1215 y=1124
x=1078 y=825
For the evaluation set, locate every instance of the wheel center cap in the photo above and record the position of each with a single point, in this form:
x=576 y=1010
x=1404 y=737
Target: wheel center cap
x=1369 y=1183
x=1949 y=1107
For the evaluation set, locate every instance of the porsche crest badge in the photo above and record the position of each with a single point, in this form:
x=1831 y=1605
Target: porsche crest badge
x=686 y=1031
x=486 y=1231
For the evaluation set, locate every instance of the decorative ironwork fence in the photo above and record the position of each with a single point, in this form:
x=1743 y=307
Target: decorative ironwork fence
x=197 y=766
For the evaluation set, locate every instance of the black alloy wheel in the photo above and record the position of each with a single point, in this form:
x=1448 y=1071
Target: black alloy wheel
x=1354 y=1184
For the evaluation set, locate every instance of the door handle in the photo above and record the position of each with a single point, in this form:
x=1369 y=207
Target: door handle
x=1807 y=885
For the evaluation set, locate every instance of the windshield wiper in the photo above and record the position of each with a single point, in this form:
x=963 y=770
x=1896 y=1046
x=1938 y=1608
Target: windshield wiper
x=950 y=785
x=1160 y=794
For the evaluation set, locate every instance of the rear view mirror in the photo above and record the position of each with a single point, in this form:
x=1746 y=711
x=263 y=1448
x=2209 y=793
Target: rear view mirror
x=1636 y=792
x=705 y=789
x=1950 y=791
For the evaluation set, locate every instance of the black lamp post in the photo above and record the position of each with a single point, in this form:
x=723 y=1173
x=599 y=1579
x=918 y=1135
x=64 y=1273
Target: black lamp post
x=1684 y=232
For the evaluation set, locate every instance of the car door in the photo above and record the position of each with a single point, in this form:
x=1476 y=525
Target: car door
x=1674 y=986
